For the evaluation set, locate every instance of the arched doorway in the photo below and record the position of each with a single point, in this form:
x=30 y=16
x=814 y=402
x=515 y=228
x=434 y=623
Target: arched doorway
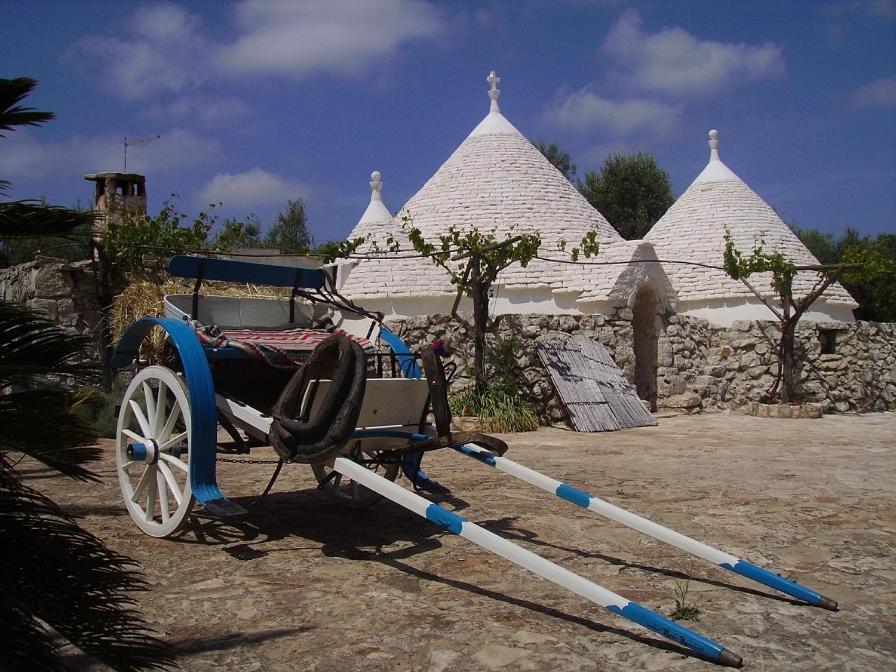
x=646 y=328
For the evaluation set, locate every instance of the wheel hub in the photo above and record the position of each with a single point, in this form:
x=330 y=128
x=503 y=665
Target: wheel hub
x=147 y=452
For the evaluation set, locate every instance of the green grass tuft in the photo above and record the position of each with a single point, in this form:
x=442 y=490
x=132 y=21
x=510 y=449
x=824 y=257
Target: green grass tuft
x=497 y=410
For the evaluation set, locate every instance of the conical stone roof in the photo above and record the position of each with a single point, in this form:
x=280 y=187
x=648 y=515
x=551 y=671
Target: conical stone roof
x=373 y=276
x=496 y=181
x=693 y=230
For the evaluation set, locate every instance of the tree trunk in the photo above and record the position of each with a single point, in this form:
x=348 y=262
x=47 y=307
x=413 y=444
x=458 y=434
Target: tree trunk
x=104 y=341
x=479 y=290
x=788 y=329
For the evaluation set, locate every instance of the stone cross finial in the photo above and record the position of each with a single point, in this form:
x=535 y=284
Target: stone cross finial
x=376 y=185
x=714 y=145
x=494 y=92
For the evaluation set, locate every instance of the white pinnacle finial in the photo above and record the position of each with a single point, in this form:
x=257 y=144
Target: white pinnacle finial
x=494 y=92
x=376 y=185
x=714 y=145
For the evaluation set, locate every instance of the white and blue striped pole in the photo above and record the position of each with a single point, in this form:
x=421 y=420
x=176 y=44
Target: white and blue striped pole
x=534 y=563
x=629 y=519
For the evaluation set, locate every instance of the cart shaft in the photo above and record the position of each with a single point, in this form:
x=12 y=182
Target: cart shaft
x=648 y=527
x=534 y=563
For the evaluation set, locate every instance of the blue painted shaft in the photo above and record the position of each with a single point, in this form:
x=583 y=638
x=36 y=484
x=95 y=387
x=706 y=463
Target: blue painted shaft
x=587 y=501
x=526 y=559
x=771 y=580
x=669 y=629
x=631 y=610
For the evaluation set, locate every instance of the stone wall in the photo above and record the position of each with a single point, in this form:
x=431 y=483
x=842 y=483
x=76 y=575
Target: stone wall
x=842 y=366
x=699 y=366
x=65 y=291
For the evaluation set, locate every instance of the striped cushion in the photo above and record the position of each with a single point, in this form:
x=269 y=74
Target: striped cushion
x=289 y=339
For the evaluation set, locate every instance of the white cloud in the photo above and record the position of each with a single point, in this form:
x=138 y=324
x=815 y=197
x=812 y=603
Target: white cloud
x=674 y=62
x=251 y=188
x=166 y=49
x=27 y=157
x=167 y=52
x=879 y=93
x=336 y=36
x=202 y=108
x=175 y=148
x=586 y=110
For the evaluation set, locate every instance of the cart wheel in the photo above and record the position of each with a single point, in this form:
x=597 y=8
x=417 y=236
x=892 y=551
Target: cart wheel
x=153 y=451
x=349 y=493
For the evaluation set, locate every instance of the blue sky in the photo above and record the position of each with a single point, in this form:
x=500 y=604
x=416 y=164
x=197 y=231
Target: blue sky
x=260 y=101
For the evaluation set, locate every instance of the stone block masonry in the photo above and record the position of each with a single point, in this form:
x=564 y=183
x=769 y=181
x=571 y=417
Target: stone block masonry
x=842 y=367
x=65 y=291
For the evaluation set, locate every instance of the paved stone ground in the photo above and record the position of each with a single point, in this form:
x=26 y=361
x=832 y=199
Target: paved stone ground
x=300 y=585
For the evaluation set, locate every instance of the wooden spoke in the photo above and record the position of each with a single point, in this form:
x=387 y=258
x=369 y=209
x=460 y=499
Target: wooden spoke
x=141 y=485
x=173 y=487
x=159 y=495
x=161 y=405
x=136 y=438
x=177 y=462
x=163 y=498
x=151 y=493
x=141 y=419
x=150 y=406
x=172 y=420
x=173 y=441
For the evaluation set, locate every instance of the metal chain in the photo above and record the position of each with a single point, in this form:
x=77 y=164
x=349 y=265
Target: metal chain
x=246 y=461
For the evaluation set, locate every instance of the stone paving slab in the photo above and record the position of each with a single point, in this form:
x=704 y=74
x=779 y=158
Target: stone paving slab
x=301 y=585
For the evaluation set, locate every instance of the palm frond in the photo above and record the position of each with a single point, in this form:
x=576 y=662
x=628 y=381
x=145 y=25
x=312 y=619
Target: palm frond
x=32 y=346
x=56 y=573
x=44 y=425
x=37 y=415
x=12 y=92
x=34 y=219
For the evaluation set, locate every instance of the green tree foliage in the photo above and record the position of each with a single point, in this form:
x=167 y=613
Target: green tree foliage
x=483 y=257
x=631 y=191
x=133 y=235
x=857 y=264
x=59 y=581
x=823 y=246
x=235 y=234
x=290 y=232
x=27 y=217
x=875 y=292
x=560 y=159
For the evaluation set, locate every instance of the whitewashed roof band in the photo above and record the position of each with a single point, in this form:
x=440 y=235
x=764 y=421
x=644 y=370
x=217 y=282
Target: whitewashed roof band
x=693 y=230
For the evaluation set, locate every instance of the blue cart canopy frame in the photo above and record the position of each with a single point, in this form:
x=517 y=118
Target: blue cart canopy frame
x=232 y=270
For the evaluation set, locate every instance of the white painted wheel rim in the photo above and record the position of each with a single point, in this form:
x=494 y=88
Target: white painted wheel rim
x=156 y=490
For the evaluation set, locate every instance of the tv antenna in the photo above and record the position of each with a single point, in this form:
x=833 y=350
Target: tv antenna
x=133 y=143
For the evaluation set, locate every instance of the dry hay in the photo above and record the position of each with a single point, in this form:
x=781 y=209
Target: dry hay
x=145 y=299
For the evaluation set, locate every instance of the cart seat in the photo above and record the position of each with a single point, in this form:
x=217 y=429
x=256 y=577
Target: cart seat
x=283 y=348
x=290 y=340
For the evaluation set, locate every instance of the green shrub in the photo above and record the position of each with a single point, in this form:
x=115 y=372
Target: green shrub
x=101 y=408
x=497 y=410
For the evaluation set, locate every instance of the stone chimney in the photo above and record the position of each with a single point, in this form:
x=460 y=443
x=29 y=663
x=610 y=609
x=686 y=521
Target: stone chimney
x=116 y=194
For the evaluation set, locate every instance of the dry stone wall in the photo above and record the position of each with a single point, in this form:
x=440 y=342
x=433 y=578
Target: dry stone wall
x=700 y=367
x=65 y=291
x=844 y=367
